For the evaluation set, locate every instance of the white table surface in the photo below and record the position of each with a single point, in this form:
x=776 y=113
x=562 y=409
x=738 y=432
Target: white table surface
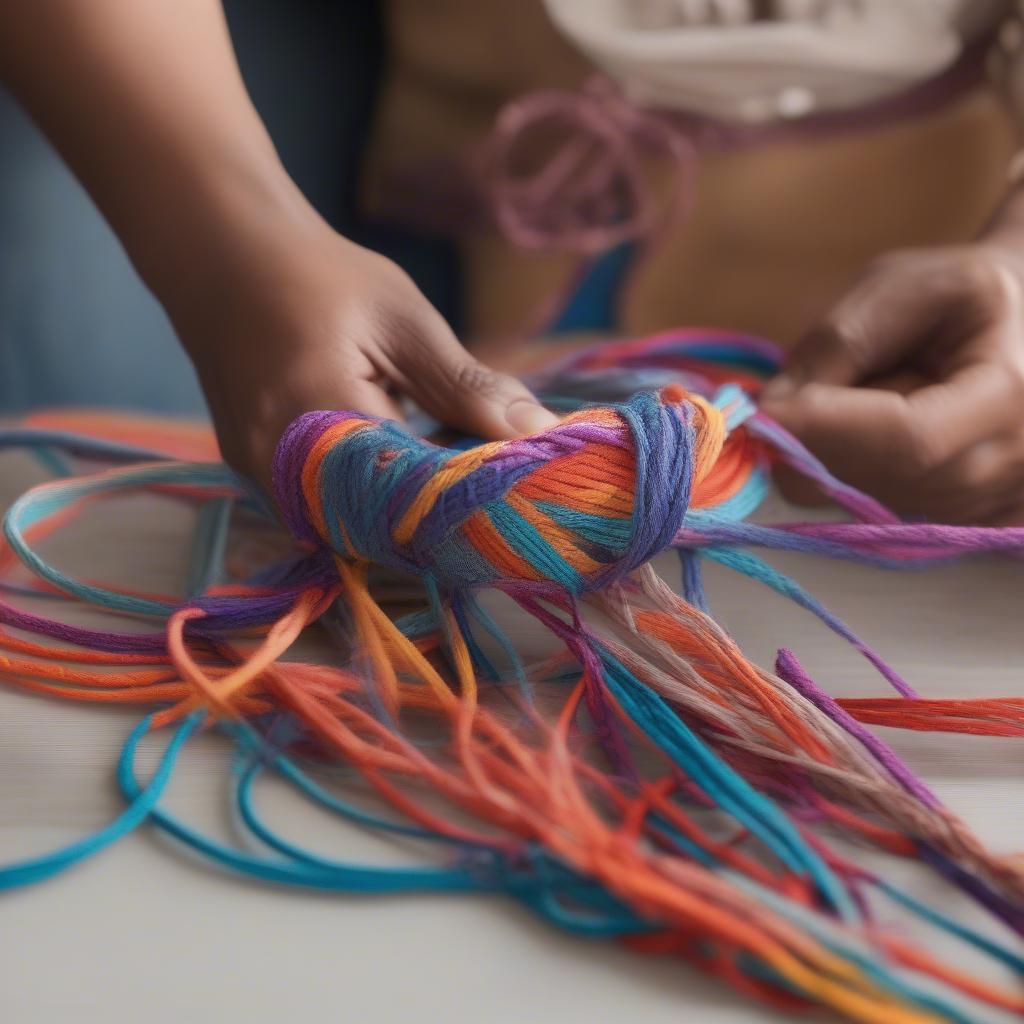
x=144 y=933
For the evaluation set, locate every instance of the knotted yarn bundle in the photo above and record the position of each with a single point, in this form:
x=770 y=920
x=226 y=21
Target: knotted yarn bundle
x=578 y=506
x=643 y=780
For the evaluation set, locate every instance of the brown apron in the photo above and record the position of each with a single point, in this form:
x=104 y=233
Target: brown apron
x=778 y=229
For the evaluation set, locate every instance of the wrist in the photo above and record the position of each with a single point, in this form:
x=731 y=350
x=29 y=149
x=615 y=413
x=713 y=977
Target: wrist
x=216 y=221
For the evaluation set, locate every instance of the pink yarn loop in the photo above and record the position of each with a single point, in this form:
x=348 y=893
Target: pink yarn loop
x=592 y=193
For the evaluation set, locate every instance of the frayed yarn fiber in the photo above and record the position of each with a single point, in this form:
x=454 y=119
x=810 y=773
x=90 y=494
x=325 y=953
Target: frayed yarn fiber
x=642 y=782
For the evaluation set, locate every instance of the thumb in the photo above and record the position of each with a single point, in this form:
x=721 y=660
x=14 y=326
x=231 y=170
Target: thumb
x=460 y=391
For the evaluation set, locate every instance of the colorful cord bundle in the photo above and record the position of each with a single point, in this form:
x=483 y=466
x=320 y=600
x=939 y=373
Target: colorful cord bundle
x=677 y=796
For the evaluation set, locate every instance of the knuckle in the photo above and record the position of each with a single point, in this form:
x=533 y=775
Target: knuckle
x=974 y=473
x=477 y=379
x=384 y=271
x=999 y=377
x=398 y=324
x=1012 y=372
x=989 y=279
x=921 y=449
x=843 y=334
x=893 y=260
x=902 y=267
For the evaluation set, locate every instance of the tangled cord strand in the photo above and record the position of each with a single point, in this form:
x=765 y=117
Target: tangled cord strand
x=606 y=819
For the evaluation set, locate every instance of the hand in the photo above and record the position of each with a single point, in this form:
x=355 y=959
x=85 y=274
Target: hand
x=912 y=388
x=279 y=314
x=303 y=319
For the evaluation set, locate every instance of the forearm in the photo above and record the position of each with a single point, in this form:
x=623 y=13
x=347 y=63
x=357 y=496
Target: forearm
x=144 y=100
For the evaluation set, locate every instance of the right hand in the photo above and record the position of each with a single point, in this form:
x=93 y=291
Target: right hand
x=911 y=388
x=302 y=319
x=280 y=314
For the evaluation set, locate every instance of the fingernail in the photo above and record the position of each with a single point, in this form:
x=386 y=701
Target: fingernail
x=778 y=387
x=526 y=417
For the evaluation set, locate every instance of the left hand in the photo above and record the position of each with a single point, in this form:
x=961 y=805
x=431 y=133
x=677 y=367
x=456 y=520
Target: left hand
x=912 y=388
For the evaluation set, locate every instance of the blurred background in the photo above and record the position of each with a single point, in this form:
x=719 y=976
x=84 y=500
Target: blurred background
x=719 y=181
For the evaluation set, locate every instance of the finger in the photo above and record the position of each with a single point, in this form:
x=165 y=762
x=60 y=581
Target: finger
x=892 y=313
x=863 y=335
x=1008 y=515
x=256 y=459
x=978 y=402
x=359 y=395
x=451 y=385
x=861 y=434
x=868 y=439
x=868 y=435
x=977 y=485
